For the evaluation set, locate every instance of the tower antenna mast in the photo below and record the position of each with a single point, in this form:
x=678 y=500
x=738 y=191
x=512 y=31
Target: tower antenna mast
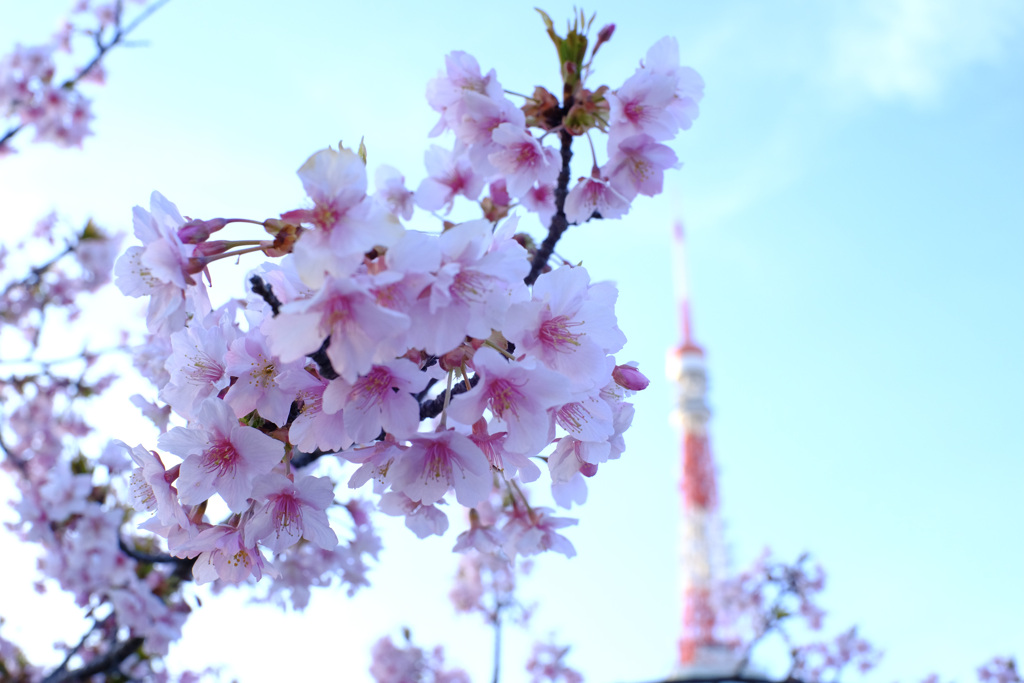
x=702 y=652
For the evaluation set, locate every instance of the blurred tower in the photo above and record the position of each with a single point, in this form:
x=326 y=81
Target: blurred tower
x=702 y=651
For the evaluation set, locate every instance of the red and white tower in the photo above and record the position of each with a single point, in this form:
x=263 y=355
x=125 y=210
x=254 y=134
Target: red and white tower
x=702 y=652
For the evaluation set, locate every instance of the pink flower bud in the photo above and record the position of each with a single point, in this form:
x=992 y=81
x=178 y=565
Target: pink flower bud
x=588 y=469
x=456 y=357
x=605 y=34
x=629 y=377
x=207 y=249
x=196 y=231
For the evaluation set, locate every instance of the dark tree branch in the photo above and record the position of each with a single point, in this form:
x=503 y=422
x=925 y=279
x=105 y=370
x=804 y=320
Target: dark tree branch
x=419 y=396
x=559 y=223
x=323 y=363
x=433 y=407
x=148 y=558
x=300 y=459
x=105 y=664
x=262 y=289
x=62 y=668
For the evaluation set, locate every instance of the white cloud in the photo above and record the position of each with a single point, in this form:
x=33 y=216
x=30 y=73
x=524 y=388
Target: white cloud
x=910 y=48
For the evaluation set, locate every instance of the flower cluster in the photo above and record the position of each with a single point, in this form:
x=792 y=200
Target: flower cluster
x=768 y=598
x=411 y=664
x=71 y=504
x=30 y=94
x=494 y=144
x=547 y=665
x=436 y=365
x=444 y=365
x=827 y=660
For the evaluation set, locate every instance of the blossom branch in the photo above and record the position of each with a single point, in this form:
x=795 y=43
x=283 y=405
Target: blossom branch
x=262 y=289
x=118 y=37
x=559 y=223
x=101 y=665
x=433 y=407
x=149 y=558
x=71 y=653
x=323 y=363
x=102 y=47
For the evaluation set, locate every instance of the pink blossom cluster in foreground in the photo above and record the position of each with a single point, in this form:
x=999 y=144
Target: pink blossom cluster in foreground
x=446 y=367
x=435 y=365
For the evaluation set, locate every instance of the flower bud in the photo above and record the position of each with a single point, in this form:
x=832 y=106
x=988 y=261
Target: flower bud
x=196 y=231
x=629 y=377
x=214 y=248
x=455 y=358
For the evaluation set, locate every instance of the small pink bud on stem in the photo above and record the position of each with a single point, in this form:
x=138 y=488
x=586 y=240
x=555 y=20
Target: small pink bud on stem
x=629 y=377
x=214 y=248
x=196 y=231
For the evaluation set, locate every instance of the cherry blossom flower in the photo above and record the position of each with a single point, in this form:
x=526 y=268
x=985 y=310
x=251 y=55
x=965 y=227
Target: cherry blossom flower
x=637 y=166
x=292 y=510
x=594 y=195
x=518 y=393
x=221 y=456
x=999 y=670
x=258 y=385
x=423 y=520
x=663 y=59
x=347 y=223
x=343 y=310
x=629 y=377
x=445 y=93
x=376 y=461
x=481 y=114
x=522 y=159
x=533 y=531
x=483 y=538
x=439 y=462
x=540 y=199
x=221 y=553
x=160 y=268
x=379 y=399
x=314 y=427
x=450 y=174
x=411 y=665
x=588 y=420
x=391 y=192
x=509 y=463
x=569 y=326
x=151 y=487
x=197 y=364
x=568 y=466
x=640 y=107
x=479 y=277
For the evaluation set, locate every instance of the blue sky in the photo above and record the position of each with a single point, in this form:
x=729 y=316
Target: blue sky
x=853 y=194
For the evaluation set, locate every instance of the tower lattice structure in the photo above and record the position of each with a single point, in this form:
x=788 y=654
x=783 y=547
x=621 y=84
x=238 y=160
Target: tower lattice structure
x=702 y=651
